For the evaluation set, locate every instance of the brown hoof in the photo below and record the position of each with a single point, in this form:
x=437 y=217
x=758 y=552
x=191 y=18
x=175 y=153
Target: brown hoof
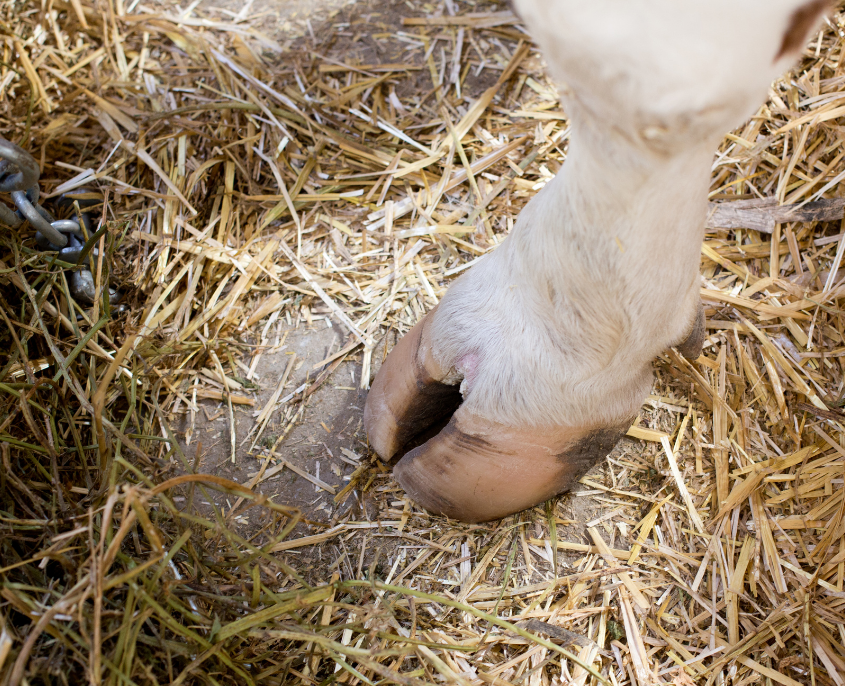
x=406 y=396
x=475 y=470
x=694 y=343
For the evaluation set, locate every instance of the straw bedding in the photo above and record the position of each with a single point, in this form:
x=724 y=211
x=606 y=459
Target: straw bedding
x=351 y=173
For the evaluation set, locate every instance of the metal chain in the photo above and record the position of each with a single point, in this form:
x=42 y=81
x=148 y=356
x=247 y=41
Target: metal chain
x=19 y=175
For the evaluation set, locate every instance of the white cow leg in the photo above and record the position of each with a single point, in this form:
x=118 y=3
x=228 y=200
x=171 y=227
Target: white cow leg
x=545 y=347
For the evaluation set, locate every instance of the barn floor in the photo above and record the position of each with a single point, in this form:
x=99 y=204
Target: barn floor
x=187 y=495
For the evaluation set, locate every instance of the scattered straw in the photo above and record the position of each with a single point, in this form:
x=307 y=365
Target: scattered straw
x=351 y=174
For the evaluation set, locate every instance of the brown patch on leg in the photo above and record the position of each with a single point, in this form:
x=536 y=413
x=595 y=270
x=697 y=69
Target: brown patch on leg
x=406 y=396
x=476 y=470
x=694 y=342
x=589 y=451
x=800 y=24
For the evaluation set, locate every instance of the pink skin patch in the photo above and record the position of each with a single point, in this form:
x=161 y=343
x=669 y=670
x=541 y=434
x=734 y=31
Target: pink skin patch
x=468 y=367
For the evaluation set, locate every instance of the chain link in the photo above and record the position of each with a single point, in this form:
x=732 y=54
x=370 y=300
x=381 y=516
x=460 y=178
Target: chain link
x=19 y=175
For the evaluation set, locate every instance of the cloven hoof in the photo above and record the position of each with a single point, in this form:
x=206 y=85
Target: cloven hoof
x=474 y=470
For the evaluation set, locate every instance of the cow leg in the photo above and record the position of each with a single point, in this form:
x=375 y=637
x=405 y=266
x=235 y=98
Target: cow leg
x=551 y=337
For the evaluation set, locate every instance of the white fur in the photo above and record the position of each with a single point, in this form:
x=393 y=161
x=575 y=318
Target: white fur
x=558 y=327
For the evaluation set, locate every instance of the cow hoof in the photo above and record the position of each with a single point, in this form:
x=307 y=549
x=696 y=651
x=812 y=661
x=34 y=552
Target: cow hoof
x=476 y=470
